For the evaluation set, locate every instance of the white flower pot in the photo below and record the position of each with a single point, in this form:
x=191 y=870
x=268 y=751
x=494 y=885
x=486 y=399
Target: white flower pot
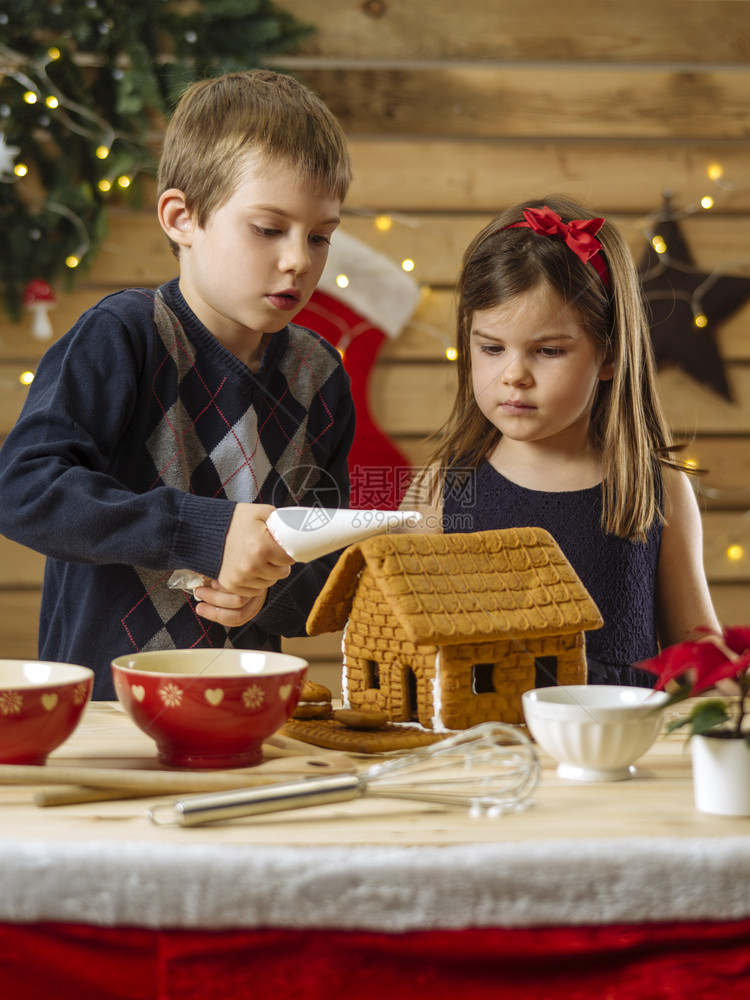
x=721 y=775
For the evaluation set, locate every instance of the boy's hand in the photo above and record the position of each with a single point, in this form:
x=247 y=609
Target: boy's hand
x=227 y=609
x=252 y=561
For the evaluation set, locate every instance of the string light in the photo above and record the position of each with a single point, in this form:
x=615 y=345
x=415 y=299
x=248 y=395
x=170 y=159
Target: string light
x=26 y=378
x=733 y=551
x=383 y=223
x=451 y=353
x=62 y=138
x=408 y=264
x=342 y=281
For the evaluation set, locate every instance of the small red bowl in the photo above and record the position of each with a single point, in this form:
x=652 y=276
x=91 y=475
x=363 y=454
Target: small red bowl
x=209 y=707
x=41 y=703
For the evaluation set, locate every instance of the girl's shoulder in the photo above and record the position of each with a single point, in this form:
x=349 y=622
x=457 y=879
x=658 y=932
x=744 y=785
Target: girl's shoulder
x=678 y=495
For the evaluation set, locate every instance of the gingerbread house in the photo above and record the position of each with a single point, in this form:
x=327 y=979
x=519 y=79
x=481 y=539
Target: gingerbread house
x=449 y=630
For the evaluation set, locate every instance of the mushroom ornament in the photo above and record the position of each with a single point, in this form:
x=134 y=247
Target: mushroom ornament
x=39 y=298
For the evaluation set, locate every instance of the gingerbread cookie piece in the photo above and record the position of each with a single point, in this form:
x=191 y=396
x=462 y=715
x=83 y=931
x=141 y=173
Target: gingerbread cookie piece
x=361 y=719
x=314 y=702
x=334 y=735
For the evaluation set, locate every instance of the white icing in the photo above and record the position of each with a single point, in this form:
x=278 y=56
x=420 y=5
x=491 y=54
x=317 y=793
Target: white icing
x=344 y=678
x=437 y=703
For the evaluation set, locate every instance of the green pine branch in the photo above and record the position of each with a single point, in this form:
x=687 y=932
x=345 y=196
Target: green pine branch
x=116 y=67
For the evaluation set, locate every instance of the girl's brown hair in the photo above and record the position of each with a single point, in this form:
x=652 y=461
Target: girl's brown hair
x=628 y=426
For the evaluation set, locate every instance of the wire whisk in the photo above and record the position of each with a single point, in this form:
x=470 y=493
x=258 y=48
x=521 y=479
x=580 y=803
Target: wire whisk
x=489 y=770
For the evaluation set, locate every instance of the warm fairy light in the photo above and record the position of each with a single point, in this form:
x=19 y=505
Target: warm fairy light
x=707 y=201
x=124 y=181
x=102 y=152
x=105 y=185
x=407 y=265
x=383 y=223
x=659 y=244
x=451 y=353
x=72 y=261
x=701 y=320
x=691 y=463
x=342 y=281
x=20 y=170
x=735 y=553
x=26 y=378
x=51 y=101
x=30 y=97
x=53 y=52
x=715 y=171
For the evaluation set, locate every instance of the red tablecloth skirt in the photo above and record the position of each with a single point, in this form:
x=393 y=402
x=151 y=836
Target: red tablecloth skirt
x=680 y=961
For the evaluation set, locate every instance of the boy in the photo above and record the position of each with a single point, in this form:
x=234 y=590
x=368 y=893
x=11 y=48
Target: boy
x=162 y=430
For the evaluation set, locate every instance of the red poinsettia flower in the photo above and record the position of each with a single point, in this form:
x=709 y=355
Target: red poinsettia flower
x=699 y=666
x=737 y=637
x=702 y=659
x=705 y=661
x=709 y=677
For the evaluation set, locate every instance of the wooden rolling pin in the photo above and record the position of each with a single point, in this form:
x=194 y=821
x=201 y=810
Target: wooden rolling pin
x=93 y=784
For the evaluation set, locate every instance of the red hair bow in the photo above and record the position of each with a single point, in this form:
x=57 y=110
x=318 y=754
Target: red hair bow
x=579 y=235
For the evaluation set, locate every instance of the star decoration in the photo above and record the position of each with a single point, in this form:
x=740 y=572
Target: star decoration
x=677 y=294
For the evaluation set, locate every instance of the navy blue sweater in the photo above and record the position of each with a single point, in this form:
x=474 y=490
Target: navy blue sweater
x=139 y=435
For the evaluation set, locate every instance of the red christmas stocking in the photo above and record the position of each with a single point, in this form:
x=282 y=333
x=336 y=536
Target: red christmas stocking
x=346 y=317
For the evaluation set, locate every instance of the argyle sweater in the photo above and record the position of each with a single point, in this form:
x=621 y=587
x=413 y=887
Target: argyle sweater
x=139 y=434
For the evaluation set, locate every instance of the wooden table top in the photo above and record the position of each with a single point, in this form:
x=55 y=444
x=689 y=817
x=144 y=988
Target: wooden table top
x=656 y=802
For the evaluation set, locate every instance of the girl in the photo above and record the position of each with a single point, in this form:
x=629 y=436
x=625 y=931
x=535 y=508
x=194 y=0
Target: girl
x=557 y=424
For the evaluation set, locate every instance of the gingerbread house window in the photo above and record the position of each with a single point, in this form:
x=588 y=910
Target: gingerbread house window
x=481 y=678
x=545 y=671
x=411 y=694
x=373 y=674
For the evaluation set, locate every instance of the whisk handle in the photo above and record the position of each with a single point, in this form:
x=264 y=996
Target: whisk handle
x=195 y=810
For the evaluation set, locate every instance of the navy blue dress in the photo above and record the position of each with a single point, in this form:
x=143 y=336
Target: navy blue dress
x=620 y=575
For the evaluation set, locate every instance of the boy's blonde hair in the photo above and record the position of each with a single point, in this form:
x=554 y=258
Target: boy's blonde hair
x=266 y=116
x=628 y=426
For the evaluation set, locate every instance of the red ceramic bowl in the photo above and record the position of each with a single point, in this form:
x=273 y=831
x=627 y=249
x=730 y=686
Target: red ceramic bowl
x=209 y=707
x=41 y=703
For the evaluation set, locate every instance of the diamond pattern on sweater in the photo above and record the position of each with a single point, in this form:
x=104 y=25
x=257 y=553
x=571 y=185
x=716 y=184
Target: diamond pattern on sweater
x=241 y=480
x=235 y=440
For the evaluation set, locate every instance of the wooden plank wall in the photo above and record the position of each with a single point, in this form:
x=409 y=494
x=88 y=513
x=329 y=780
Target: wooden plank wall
x=454 y=111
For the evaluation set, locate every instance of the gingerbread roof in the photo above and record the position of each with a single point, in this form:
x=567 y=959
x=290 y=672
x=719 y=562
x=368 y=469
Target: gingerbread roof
x=448 y=589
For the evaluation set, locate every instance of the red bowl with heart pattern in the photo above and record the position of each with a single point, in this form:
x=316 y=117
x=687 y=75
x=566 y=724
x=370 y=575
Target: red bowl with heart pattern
x=209 y=708
x=41 y=703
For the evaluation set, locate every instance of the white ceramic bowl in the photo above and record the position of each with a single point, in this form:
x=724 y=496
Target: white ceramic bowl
x=209 y=708
x=41 y=703
x=594 y=731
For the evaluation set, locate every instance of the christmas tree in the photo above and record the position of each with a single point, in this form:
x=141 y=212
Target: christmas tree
x=85 y=87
